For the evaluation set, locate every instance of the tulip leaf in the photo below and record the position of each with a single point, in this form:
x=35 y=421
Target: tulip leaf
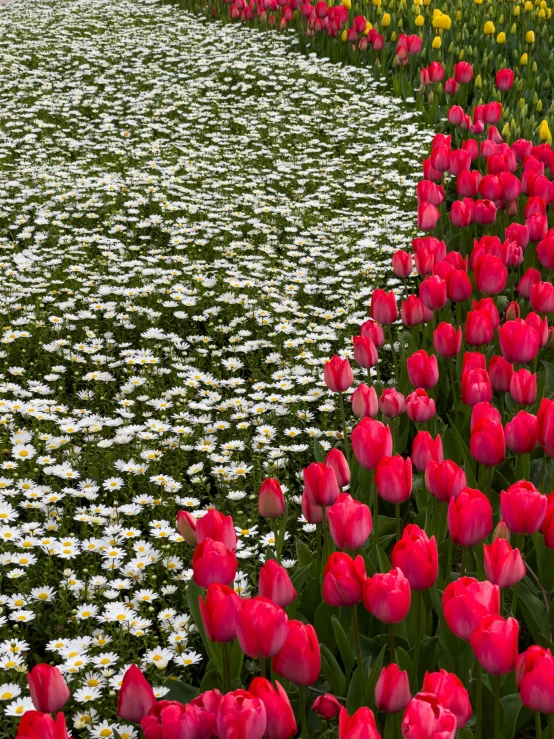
x=344 y=644
x=332 y=671
x=193 y=593
x=180 y=691
x=310 y=600
x=516 y=715
x=319 y=452
x=355 y=470
x=544 y=561
x=323 y=626
x=465 y=733
x=236 y=661
x=549 y=374
x=282 y=531
x=356 y=691
x=211 y=681
x=464 y=456
x=534 y=613
x=303 y=553
x=377 y=666
x=383 y=560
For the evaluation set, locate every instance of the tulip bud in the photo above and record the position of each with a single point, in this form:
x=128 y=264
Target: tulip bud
x=349 y=522
x=495 y=644
x=326 y=706
x=299 y=658
x=466 y=602
x=275 y=584
x=271 y=502
x=337 y=374
x=451 y=694
x=136 y=696
x=392 y=690
x=186 y=523
x=48 y=689
x=387 y=596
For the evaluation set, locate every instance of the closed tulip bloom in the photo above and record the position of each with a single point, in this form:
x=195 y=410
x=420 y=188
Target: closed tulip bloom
x=540 y=325
x=525 y=285
x=349 y=522
x=523 y=387
x=476 y=387
x=467 y=184
x=274 y=583
x=422 y=369
x=337 y=374
x=458 y=285
x=451 y=694
x=447 y=340
x=424 y=262
x=463 y=72
x=261 y=627
x=337 y=461
x=535 y=679
x=469 y=517
x=412 y=311
x=466 y=602
x=473 y=361
x=518 y=232
x=490 y=274
x=327 y=706
x=392 y=690
x=428 y=192
x=312 y=513
x=392 y=403
x=425 y=718
x=537 y=224
x=500 y=374
x=519 y=342
x=417 y=556
x=545 y=251
x=444 y=480
x=343 y=580
x=240 y=715
x=479 y=328
x=545 y=426
x=504 y=79
x=487 y=444
x=321 y=484
x=387 y=596
x=171 y=717
x=419 y=406
x=504 y=566
x=383 y=307
x=373 y=331
x=490 y=187
x=215 y=525
x=521 y=433
x=219 y=612
x=359 y=726
x=542 y=297
x=186 y=523
x=48 y=689
x=432 y=292
x=271 y=502
x=393 y=478
x=136 y=696
x=299 y=659
x=547 y=527
x=427 y=214
x=523 y=507
x=495 y=644
x=365 y=352
x=402 y=264
x=481 y=411
x=484 y=213
x=39 y=725
x=424 y=449
x=213 y=562
x=461 y=212
x=510 y=187
x=371 y=440
x=281 y=723
x=364 y=401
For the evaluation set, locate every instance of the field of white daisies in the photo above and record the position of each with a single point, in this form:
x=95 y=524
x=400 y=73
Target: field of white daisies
x=193 y=218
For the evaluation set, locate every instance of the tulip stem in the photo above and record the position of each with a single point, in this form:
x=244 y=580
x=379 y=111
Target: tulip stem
x=344 y=430
x=543 y=474
x=276 y=537
x=418 y=639
x=538 y=728
x=478 y=700
x=463 y=565
x=302 y=705
x=514 y=599
x=375 y=524
x=389 y=332
x=226 y=668
x=263 y=668
x=550 y=727
x=325 y=539
x=391 y=643
x=397 y=506
x=356 y=632
x=449 y=560
x=497 y=707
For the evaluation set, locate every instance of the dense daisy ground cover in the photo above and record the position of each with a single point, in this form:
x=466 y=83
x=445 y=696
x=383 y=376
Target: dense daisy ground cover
x=193 y=219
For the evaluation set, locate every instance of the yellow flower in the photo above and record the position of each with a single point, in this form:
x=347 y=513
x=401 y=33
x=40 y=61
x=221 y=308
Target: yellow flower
x=458 y=15
x=478 y=2
x=393 y=36
x=436 y=42
x=386 y=20
x=539 y=106
x=523 y=60
x=368 y=28
x=530 y=37
x=544 y=132
x=501 y=38
x=343 y=35
x=517 y=10
x=347 y=4
x=528 y=6
x=489 y=28
x=377 y=3
x=445 y=22
x=513 y=29
x=478 y=81
x=419 y=21
x=427 y=2
x=542 y=14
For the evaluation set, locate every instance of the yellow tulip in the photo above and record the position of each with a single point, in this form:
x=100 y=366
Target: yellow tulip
x=418 y=3
x=478 y=2
x=501 y=38
x=530 y=37
x=347 y=4
x=478 y=81
x=436 y=13
x=445 y=22
x=549 y=13
x=517 y=10
x=385 y=20
x=458 y=15
x=427 y=2
x=419 y=21
x=539 y=106
x=542 y=14
x=393 y=36
x=489 y=28
x=343 y=36
x=523 y=60
x=528 y=6
x=544 y=132
x=436 y=42
x=513 y=29
x=377 y=3
x=368 y=28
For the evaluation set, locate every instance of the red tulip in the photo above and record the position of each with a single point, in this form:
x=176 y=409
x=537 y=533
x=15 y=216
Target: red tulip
x=523 y=507
x=537 y=225
x=167 y=718
x=387 y=596
x=136 y=696
x=547 y=527
x=364 y=401
x=373 y=331
x=542 y=297
x=519 y=342
x=479 y=328
x=261 y=627
x=495 y=644
x=349 y=522
x=365 y=352
x=521 y=433
x=423 y=369
x=321 y=484
x=281 y=723
x=490 y=274
x=504 y=79
x=343 y=580
x=463 y=73
x=473 y=361
x=447 y=340
x=427 y=192
x=424 y=449
x=275 y=584
x=383 y=307
x=336 y=459
x=523 y=387
x=458 y=285
x=545 y=251
x=436 y=72
x=219 y=612
x=500 y=374
x=327 y=706
x=299 y=658
x=337 y=374
x=427 y=214
x=312 y=513
x=540 y=325
x=417 y=556
x=503 y=565
x=444 y=480
x=393 y=478
x=412 y=311
x=240 y=715
x=392 y=403
x=359 y=726
x=476 y=386
x=466 y=602
x=392 y=690
x=482 y=411
x=271 y=502
x=186 y=523
x=469 y=517
x=425 y=718
x=371 y=441
x=535 y=679
x=48 y=689
x=420 y=407
x=39 y=725
x=525 y=285
x=213 y=562
x=432 y=293
x=218 y=527
x=487 y=444
x=450 y=693
x=545 y=426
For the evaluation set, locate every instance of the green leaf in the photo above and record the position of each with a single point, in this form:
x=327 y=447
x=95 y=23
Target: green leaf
x=310 y=600
x=356 y=691
x=464 y=456
x=369 y=695
x=549 y=374
x=303 y=553
x=534 y=614
x=332 y=671
x=282 y=530
x=319 y=452
x=383 y=560
x=211 y=681
x=236 y=661
x=344 y=645
x=179 y=691
x=323 y=626
x=516 y=716
x=193 y=593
